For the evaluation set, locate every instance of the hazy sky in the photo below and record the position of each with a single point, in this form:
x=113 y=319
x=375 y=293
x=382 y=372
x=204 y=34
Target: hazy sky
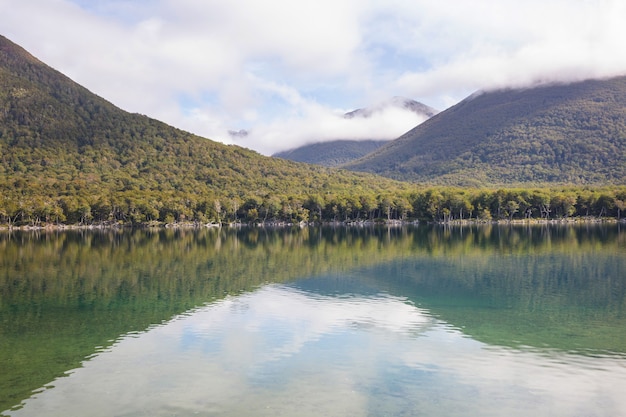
x=286 y=69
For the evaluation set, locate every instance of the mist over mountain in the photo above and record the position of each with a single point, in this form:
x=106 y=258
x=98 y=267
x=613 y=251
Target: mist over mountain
x=553 y=134
x=341 y=151
x=395 y=102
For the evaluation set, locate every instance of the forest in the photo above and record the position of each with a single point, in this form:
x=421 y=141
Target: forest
x=428 y=204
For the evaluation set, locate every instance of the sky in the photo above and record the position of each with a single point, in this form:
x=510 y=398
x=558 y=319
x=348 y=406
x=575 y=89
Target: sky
x=287 y=70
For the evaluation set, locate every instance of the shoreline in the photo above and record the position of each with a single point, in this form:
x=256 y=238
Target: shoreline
x=367 y=223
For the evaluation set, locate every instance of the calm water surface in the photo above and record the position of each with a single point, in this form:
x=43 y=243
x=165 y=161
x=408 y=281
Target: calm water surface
x=424 y=321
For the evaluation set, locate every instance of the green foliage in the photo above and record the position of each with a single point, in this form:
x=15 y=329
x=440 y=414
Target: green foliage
x=442 y=204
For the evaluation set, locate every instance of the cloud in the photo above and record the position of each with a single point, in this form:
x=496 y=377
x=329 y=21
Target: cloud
x=280 y=351
x=317 y=37
x=281 y=68
x=317 y=123
x=506 y=45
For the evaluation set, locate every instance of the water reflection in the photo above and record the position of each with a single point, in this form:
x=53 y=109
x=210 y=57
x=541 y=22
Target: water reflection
x=391 y=319
x=283 y=351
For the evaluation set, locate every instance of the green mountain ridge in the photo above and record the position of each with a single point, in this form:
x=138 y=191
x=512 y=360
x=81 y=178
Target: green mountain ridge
x=555 y=134
x=333 y=153
x=68 y=155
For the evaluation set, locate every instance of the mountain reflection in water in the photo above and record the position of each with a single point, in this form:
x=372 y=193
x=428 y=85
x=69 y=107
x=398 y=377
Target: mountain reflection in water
x=346 y=322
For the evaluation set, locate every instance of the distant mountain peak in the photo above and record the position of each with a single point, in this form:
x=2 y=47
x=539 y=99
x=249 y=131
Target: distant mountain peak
x=340 y=151
x=394 y=102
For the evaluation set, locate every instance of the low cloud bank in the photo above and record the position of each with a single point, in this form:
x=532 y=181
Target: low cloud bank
x=323 y=125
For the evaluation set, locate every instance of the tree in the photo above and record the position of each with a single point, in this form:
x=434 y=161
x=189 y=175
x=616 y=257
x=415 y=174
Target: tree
x=433 y=200
x=568 y=204
x=217 y=205
x=499 y=198
x=368 y=205
x=315 y=204
x=234 y=205
x=512 y=207
x=482 y=203
x=102 y=210
x=484 y=215
x=250 y=209
x=604 y=204
x=84 y=211
x=270 y=207
x=385 y=203
x=620 y=205
x=459 y=202
x=403 y=207
x=541 y=200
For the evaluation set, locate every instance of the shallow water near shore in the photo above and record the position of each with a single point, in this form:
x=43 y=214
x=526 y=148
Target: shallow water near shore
x=374 y=321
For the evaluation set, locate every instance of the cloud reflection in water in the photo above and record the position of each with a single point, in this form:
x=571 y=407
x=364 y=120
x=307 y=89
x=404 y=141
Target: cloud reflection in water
x=281 y=349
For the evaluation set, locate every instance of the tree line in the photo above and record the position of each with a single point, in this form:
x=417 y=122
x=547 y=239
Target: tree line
x=425 y=204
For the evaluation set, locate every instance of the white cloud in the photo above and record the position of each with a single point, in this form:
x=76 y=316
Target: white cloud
x=280 y=68
x=316 y=123
x=522 y=44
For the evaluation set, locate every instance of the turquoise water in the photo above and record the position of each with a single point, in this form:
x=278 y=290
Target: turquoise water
x=424 y=321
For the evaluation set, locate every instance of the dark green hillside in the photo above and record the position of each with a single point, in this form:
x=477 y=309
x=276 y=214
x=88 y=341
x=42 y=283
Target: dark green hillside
x=332 y=153
x=557 y=134
x=67 y=155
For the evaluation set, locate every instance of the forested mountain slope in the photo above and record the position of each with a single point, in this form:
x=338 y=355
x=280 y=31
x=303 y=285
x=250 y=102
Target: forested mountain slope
x=556 y=134
x=333 y=153
x=69 y=155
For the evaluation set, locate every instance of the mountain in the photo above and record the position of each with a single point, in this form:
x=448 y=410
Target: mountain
x=397 y=102
x=68 y=155
x=553 y=134
x=333 y=153
x=338 y=152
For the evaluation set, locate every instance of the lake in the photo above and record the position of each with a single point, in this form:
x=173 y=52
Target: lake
x=371 y=321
